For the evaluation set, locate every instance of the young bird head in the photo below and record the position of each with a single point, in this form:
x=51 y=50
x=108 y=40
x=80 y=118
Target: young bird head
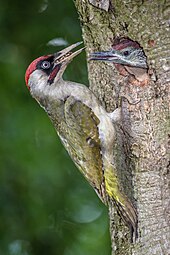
x=125 y=52
x=48 y=70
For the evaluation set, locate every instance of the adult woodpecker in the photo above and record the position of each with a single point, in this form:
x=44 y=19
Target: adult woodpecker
x=84 y=127
x=128 y=58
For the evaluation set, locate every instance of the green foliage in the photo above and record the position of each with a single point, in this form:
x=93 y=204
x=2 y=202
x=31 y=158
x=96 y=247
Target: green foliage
x=46 y=206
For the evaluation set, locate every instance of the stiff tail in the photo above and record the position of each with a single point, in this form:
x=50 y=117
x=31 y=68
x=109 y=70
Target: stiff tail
x=129 y=215
x=124 y=208
x=123 y=204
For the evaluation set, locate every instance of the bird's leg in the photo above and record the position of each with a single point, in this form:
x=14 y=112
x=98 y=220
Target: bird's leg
x=115 y=115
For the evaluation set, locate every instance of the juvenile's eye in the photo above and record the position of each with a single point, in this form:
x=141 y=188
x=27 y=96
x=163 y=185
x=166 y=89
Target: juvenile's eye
x=126 y=53
x=45 y=64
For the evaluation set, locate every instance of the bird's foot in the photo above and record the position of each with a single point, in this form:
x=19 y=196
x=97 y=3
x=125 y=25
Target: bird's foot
x=115 y=115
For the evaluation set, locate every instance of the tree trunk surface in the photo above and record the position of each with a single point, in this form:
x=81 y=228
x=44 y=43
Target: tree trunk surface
x=143 y=137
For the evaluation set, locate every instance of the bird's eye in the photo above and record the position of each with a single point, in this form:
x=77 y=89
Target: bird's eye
x=45 y=64
x=126 y=53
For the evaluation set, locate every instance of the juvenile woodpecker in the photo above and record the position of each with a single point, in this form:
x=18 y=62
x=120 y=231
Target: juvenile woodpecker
x=83 y=125
x=128 y=58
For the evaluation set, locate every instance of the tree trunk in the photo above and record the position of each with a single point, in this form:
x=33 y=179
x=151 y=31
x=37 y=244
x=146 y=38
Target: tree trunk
x=142 y=150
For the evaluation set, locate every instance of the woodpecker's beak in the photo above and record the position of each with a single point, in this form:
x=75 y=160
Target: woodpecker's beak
x=61 y=60
x=112 y=56
x=67 y=55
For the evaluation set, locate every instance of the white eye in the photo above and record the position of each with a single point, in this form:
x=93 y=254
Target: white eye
x=45 y=64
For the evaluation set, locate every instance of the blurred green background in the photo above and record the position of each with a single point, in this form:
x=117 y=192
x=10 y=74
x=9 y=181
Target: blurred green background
x=46 y=206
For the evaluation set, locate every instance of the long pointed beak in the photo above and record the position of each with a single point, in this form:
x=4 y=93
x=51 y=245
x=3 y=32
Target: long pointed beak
x=66 y=54
x=104 y=55
x=116 y=57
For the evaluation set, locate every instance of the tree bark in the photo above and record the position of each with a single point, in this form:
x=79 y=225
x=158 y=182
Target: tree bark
x=143 y=142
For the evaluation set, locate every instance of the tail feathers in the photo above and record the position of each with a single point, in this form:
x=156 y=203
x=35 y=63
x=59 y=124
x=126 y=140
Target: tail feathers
x=129 y=215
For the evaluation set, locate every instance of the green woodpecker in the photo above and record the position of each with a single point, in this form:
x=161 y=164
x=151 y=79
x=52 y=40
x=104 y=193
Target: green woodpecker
x=128 y=58
x=84 y=127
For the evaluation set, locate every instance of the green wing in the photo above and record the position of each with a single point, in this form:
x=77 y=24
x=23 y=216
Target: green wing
x=82 y=141
x=77 y=127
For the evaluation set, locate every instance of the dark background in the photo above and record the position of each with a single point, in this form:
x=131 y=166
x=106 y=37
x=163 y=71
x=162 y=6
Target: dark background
x=46 y=206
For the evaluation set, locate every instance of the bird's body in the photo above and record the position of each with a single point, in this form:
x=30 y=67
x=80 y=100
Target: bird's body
x=84 y=127
x=65 y=106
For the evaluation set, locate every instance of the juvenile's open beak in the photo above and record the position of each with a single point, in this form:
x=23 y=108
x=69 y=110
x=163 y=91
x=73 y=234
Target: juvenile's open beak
x=66 y=55
x=105 y=55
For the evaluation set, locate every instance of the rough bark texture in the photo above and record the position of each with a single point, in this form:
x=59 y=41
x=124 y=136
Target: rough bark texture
x=143 y=147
